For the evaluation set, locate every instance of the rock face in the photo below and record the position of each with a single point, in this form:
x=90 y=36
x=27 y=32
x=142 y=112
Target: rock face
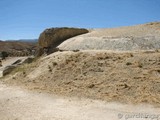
x=138 y=37
x=52 y=37
x=112 y=43
x=8 y=69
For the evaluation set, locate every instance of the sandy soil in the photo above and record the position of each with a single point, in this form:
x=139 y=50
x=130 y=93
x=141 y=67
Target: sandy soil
x=127 y=77
x=19 y=104
x=149 y=29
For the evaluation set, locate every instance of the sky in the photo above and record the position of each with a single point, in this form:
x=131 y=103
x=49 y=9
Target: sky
x=26 y=19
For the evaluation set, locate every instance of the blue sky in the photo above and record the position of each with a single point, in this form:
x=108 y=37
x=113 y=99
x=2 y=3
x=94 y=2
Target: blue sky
x=22 y=19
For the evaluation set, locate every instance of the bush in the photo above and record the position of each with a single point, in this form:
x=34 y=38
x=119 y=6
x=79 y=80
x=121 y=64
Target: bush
x=128 y=63
x=3 y=54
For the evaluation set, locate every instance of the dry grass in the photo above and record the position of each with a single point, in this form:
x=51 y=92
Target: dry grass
x=128 y=77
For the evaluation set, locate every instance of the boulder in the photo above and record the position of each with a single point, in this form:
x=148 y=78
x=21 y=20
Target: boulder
x=17 y=62
x=28 y=60
x=50 y=38
x=8 y=69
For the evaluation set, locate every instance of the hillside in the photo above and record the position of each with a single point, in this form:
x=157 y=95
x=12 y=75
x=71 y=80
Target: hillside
x=15 y=48
x=98 y=70
x=112 y=76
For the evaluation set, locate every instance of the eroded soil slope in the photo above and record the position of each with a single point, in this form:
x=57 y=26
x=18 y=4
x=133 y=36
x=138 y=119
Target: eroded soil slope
x=129 y=77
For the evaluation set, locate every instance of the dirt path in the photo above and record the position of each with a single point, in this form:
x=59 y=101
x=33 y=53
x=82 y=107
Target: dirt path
x=19 y=104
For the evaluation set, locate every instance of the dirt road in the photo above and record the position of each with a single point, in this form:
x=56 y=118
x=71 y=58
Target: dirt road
x=19 y=104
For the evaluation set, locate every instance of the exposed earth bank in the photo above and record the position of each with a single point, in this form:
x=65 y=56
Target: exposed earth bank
x=120 y=66
x=127 y=77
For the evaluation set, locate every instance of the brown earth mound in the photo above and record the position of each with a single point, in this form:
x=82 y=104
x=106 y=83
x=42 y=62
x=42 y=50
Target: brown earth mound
x=129 y=77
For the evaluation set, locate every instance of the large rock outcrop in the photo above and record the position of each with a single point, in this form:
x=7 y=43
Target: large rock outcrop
x=138 y=37
x=50 y=38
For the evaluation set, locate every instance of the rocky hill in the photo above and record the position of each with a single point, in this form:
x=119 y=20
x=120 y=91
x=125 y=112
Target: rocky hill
x=138 y=37
x=17 y=48
x=117 y=64
x=52 y=37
